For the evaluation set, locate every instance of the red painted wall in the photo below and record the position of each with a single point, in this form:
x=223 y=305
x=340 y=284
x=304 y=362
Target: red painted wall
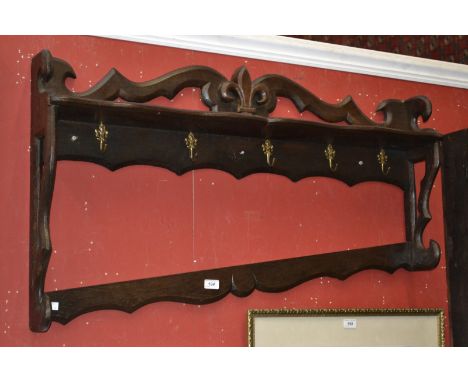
x=143 y=221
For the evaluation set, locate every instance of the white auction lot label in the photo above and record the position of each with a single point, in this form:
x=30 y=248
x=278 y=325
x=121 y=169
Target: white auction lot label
x=211 y=284
x=350 y=323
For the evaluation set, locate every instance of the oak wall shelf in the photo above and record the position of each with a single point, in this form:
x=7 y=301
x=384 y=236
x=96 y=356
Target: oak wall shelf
x=111 y=125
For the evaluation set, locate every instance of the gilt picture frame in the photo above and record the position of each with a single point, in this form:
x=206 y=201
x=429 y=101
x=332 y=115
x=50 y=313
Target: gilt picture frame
x=346 y=327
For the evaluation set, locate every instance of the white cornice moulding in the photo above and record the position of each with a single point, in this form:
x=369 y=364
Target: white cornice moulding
x=319 y=55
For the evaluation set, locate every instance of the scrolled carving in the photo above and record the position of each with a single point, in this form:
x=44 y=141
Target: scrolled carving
x=279 y=86
x=424 y=215
x=248 y=96
x=239 y=94
x=54 y=73
x=59 y=116
x=403 y=115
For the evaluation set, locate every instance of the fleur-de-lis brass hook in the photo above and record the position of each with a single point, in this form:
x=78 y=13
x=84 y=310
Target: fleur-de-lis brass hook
x=383 y=159
x=267 y=148
x=191 y=143
x=330 y=154
x=101 y=135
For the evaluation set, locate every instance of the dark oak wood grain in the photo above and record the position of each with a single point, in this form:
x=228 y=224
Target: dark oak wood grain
x=455 y=192
x=272 y=276
x=235 y=135
x=237 y=155
x=42 y=178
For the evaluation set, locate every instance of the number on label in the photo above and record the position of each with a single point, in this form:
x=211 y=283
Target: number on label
x=350 y=323
x=211 y=284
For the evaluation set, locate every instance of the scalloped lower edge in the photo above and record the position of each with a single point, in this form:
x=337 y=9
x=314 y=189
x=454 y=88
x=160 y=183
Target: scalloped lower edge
x=272 y=276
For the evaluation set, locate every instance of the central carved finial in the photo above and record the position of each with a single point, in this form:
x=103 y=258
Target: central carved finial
x=249 y=95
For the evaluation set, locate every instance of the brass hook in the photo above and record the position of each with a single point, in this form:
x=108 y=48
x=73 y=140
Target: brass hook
x=330 y=154
x=101 y=135
x=383 y=159
x=191 y=143
x=268 y=151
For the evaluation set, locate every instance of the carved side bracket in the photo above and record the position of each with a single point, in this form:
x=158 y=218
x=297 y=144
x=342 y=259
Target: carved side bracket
x=90 y=127
x=424 y=216
x=42 y=175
